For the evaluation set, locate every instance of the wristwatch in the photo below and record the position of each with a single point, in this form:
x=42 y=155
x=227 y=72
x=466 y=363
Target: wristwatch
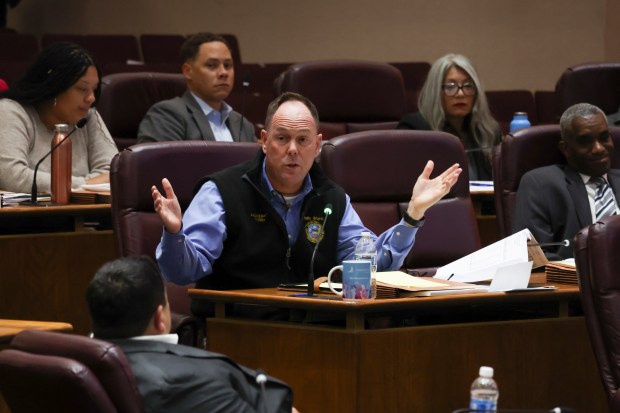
x=416 y=223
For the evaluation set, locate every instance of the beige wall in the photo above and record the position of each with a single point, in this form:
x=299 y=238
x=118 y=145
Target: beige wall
x=514 y=43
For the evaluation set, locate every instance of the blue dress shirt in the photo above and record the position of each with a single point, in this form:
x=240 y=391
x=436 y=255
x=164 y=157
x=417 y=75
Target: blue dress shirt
x=189 y=255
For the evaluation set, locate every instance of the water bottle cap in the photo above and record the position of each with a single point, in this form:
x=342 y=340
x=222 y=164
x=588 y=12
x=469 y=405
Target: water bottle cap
x=486 y=371
x=521 y=114
x=365 y=233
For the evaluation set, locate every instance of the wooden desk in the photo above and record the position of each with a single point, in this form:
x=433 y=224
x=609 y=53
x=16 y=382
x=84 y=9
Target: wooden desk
x=541 y=361
x=10 y=328
x=43 y=273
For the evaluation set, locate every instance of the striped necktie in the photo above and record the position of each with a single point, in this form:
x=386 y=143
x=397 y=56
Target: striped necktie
x=604 y=204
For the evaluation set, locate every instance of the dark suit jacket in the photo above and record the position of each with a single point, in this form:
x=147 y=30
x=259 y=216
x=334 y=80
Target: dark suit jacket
x=552 y=203
x=175 y=378
x=182 y=118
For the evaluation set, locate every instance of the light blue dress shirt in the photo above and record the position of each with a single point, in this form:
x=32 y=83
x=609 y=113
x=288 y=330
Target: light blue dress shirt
x=217 y=119
x=189 y=255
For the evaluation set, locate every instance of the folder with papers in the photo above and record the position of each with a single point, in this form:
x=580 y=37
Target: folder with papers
x=481 y=266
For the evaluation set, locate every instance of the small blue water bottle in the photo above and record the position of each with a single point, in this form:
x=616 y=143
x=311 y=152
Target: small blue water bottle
x=519 y=121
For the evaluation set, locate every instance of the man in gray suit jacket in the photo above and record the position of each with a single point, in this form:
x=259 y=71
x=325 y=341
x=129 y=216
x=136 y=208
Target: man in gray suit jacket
x=201 y=113
x=555 y=202
x=128 y=306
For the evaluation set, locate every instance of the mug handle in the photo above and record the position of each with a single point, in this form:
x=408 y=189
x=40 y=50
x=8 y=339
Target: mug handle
x=329 y=279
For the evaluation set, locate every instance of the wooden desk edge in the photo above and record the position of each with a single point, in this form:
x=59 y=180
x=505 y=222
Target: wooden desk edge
x=280 y=298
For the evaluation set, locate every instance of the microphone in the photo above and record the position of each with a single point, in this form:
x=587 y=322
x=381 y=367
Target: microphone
x=327 y=211
x=33 y=193
x=564 y=243
x=244 y=91
x=261 y=379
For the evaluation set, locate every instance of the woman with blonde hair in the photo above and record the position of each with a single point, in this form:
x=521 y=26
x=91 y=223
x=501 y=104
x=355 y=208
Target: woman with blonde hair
x=453 y=100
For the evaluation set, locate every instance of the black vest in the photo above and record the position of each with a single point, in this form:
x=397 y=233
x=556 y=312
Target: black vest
x=256 y=251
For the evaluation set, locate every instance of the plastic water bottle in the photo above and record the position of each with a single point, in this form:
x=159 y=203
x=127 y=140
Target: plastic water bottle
x=366 y=250
x=519 y=121
x=484 y=392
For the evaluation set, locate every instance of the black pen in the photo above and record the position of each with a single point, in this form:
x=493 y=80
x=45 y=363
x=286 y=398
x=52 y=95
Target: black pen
x=450 y=276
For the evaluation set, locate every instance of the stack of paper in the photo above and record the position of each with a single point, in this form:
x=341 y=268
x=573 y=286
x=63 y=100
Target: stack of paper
x=394 y=284
x=15 y=198
x=564 y=272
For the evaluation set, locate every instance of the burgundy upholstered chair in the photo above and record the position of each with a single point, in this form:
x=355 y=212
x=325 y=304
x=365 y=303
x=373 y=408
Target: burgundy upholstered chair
x=546 y=107
x=112 y=49
x=162 y=48
x=595 y=83
x=137 y=228
x=35 y=383
x=94 y=371
x=598 y=263
x=414 y=76
x=378 y=170
x=126 y=97
x=18 y=46
x=504 y=103
x=520 y=152
x=350 y=95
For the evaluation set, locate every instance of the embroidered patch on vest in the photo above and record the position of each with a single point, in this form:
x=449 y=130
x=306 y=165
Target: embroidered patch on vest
x=313 y=229
x=258 y=217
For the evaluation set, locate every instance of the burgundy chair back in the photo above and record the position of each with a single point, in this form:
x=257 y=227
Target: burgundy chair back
x=595 y=83
x=520 y=152
x=126 y=97
x=378 y=170
x=36 y=383
x=18 y=46
x=546 y=107
x=162 y=48
x=137 y=228
x=350 y=95
x=414 y=76
x=504 y=103
x=105 y=360
x=597 y=259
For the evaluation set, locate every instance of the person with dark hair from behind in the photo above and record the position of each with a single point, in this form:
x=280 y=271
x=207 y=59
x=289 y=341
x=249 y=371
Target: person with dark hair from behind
x=60 y=87
x=453 y=100
x=201 y=113
x=554 y=202
x=128 y=306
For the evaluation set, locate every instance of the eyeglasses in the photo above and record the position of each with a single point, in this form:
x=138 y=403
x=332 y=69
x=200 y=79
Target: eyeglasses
x=451 y=89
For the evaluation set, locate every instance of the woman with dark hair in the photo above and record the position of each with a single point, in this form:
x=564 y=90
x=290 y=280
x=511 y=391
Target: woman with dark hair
x=61 y=86
x=453 y=100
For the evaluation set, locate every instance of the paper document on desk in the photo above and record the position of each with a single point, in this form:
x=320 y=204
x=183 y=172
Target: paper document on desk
x=482 y=264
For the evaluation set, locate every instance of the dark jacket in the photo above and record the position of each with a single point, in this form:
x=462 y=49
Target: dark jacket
x=256 y=251
x=177 y=379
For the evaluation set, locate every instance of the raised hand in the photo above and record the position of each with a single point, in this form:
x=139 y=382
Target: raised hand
x=167 y=207
x=426 y=191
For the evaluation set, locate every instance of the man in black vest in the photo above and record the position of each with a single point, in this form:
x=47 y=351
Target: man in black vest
x=256 y=224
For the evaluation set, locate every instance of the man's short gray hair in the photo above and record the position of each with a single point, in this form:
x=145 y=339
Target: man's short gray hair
x=579 y=110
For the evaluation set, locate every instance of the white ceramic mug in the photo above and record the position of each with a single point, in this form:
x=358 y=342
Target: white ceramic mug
x=355 y=279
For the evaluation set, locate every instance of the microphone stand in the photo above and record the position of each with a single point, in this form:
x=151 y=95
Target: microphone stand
x=327 y=211
x=33 y=192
